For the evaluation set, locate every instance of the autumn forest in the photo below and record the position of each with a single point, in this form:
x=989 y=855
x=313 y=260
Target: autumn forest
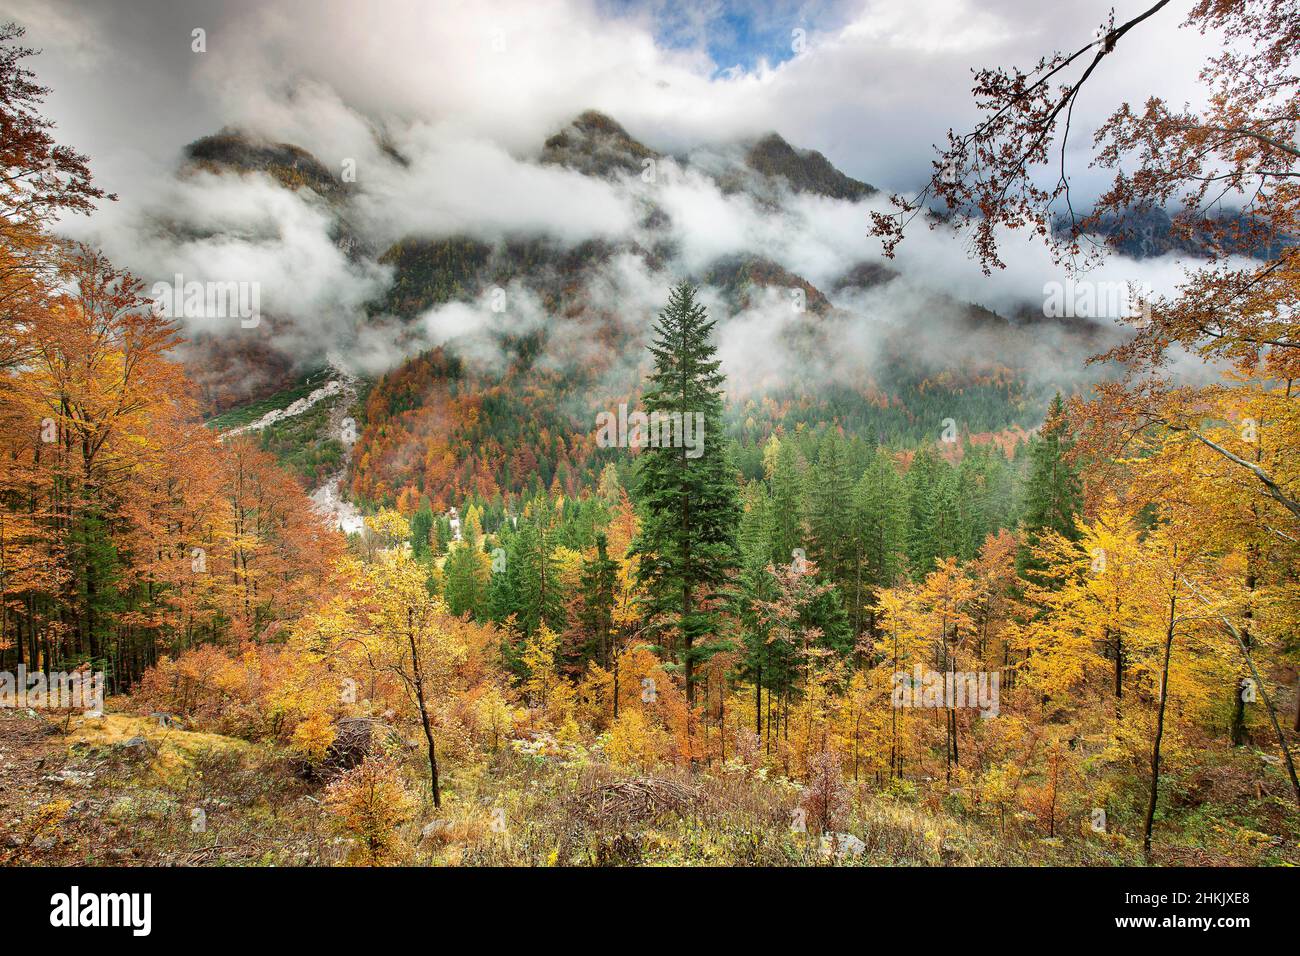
x=463 y=608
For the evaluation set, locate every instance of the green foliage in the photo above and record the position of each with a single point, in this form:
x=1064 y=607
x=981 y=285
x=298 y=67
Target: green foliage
x=1053 y=490
x=596 y=610
x=422 y=531
x=529 y=587
x=691 y=508
x=787 y=504
x=830 y=544
x=465 y=580
x=879 y=534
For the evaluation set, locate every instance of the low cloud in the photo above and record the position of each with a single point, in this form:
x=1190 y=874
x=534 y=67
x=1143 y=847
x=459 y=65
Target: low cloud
x=441 y=113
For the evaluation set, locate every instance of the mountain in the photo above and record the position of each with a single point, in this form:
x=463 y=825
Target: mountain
x=290 y=165
x=806 y=171
x=1150 y=232
x=595 y=145
x=504 y=403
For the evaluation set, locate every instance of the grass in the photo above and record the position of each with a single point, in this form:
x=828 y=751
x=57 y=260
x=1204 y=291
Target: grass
x=172 y=751
x=95 y=801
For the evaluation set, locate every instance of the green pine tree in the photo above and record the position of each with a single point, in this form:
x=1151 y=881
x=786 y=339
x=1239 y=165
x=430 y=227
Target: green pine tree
x=1053 y=490
x=830 y=542
x=926 y=521
x=529 y=587
x=465 y=580
x=879 y=536
x=687 y=539
x=760 y=663
x=421 y=531
x=787 y=503
x=596 y=613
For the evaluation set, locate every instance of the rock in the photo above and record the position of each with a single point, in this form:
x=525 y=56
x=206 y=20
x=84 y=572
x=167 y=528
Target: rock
x=14 y=841
x=433 y=827
x=43 y=843
x=67 y=777
x=136 y=747
x=842 y=845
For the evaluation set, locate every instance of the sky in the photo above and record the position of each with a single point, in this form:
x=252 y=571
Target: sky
x=469 y=91
x=737 y=36
x=873 y=85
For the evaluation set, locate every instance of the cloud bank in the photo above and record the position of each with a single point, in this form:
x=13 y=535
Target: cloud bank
x=441 y=110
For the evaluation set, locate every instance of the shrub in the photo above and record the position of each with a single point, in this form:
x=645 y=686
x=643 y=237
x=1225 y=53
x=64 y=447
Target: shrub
x=370 y=802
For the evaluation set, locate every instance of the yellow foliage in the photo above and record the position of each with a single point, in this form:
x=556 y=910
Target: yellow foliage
x=388 y=528
x=539 y=659
x=313 y=736
x=633 y=743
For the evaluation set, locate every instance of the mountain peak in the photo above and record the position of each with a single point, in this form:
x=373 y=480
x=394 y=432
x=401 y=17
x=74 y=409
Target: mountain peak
x=596 y=123
x=597 y=145
x=807 y=171
x=234 y=149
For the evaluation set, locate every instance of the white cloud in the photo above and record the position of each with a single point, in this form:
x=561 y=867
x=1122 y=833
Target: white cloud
x=467 y=92
x=231 y=228
x=456 y=184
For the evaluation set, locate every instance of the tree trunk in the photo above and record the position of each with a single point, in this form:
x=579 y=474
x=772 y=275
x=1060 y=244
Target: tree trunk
x=1238 y=730
x=1119 y=666
x=1160 y=728
x=424 y=711
x=688 y=665
x=1263 y=692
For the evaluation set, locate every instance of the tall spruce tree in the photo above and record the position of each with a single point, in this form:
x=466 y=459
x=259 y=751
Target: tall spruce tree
x=1053 y=491
x=880 y=539
x=465 y=576
x=926 y=519
x=687 y=543
x=531 y=587
x=787 y=502
x=596 y=614
x=422 y=531
x=830 y=542
x=755 y=588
